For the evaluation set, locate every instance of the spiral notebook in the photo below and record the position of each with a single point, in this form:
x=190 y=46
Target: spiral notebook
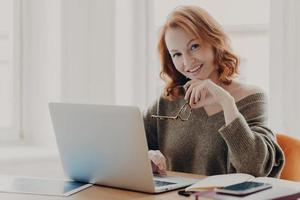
x=40 y=186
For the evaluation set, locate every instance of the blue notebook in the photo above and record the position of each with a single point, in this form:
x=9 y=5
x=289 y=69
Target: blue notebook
x=41 y=186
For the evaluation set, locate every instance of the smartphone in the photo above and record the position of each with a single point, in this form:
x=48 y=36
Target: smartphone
x=243 y=188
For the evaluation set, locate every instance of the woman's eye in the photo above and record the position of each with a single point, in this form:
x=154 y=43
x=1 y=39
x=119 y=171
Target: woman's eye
x=194 y=46
x=176 y=54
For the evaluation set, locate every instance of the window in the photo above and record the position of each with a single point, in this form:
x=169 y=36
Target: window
x=9 y=70
x=248 y=33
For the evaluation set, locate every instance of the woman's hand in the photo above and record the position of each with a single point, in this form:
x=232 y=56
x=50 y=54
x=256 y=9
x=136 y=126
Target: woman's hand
x=205 y=92
x=158 y=162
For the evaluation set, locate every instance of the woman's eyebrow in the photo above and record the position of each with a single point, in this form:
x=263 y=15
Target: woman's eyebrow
x=174 y=50
x=190 y=42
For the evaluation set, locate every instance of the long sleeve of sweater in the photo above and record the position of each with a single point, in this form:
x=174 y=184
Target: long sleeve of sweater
x=252 y=147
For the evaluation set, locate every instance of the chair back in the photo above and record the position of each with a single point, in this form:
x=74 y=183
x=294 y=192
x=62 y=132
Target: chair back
x=291 y=149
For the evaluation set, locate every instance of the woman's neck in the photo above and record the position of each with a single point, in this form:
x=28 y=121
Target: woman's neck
x=214 y=77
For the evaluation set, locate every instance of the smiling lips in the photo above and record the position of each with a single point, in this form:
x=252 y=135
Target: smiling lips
x=195 y=69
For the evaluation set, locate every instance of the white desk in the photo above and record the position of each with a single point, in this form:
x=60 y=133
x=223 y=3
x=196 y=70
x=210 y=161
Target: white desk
x=52 y=168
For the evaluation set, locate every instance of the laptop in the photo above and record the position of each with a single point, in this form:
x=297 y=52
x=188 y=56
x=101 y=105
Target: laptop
x=106 y=145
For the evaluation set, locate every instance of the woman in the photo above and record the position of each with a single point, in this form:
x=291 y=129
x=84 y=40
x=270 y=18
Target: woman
x=226 y=131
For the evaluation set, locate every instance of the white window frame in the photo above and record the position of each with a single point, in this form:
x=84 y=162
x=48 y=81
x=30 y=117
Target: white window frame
x=13 y=133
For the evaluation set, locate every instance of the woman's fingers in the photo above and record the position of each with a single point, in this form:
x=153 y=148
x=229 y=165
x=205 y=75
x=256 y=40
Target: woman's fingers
x=204 y=93
x=188 y=93
x=208 y=100
x=199 y=93
x=194 y=92
x=161 y=161
x=158 y=162
x=187 y=85
x=198 y=96
x=157 y=158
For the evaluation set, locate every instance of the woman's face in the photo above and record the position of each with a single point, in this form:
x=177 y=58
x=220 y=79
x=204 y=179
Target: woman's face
x=191 y=56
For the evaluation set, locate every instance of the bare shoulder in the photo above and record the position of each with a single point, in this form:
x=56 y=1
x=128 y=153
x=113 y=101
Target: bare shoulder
x=241 y=90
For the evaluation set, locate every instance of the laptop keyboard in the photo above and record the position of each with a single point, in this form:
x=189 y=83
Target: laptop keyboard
x=161 y=183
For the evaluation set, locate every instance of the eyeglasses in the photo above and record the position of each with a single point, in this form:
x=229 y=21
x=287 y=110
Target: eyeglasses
x=183 y=114
x=185 y=110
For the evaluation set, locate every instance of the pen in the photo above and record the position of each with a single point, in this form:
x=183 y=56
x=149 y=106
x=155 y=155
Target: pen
x=185 y=193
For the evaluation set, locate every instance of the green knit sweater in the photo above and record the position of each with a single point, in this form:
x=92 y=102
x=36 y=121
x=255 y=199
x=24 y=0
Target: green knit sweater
x=204 y=145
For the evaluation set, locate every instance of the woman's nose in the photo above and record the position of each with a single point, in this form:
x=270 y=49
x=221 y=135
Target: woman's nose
x=187 y=61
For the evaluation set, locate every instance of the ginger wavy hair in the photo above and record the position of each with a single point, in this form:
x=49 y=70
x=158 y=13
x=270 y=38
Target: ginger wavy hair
x=198 y=22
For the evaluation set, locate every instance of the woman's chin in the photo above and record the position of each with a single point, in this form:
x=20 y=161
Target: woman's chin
x=198 y=77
